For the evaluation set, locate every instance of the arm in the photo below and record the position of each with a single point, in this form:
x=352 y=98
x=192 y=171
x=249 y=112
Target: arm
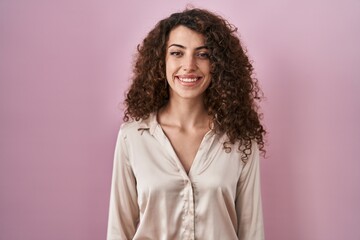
x=248 y=201
x=123 y=209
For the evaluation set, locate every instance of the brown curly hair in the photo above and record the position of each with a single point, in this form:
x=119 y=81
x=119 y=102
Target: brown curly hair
x=231 y=97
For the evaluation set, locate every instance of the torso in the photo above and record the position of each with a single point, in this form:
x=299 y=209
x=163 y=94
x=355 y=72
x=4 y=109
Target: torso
x=165 y=193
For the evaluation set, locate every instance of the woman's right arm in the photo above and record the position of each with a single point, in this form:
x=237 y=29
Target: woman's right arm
x=123 y=209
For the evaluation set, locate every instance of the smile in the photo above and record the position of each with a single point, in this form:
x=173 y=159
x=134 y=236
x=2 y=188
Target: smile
x=188 y=79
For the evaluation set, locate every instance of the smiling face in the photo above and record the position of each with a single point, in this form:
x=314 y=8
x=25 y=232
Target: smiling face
x=187 y=64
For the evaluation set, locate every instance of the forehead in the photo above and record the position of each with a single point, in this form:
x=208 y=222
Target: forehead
x=186 y=37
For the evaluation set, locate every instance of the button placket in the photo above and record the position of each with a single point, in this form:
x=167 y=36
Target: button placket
x=191 y=211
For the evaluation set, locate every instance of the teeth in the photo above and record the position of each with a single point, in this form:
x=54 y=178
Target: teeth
x=188 y=79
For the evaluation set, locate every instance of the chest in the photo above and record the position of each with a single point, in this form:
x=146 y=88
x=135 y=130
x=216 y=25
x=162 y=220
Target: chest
x=185 y=145
x=157 y=166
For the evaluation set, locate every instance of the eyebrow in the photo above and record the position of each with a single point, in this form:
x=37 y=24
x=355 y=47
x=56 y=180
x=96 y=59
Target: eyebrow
x=181 y=46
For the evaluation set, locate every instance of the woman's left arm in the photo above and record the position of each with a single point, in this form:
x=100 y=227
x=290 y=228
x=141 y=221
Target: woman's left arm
x=248 y=200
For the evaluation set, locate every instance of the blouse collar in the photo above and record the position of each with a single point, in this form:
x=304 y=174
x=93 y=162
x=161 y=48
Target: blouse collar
x=149 y=123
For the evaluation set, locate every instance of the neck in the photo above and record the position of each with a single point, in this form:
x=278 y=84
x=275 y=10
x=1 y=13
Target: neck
x=184 y=113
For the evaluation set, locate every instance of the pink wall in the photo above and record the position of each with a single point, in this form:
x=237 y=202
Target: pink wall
x=64 y=67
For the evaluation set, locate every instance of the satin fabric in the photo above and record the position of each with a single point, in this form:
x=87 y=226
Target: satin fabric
x=152 y=196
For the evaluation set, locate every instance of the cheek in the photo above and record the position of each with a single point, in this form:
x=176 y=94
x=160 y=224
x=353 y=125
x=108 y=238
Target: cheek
x=206 y=68
x=203 y=64
x=170 y=68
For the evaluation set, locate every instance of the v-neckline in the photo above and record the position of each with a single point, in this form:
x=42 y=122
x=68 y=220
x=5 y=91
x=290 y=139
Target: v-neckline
x=176 y=157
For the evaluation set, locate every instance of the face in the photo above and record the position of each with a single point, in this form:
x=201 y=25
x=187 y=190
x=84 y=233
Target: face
x=187 y=64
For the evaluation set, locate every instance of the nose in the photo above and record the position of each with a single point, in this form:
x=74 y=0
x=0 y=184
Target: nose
x=189 y=63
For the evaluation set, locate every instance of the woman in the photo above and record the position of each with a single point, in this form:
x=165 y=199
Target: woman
x=187 y=158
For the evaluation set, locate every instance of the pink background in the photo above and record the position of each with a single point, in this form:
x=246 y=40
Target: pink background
x=64 y=67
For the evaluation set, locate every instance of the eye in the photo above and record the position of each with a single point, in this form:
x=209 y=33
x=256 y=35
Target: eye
x=203 y=55
x=176 y=53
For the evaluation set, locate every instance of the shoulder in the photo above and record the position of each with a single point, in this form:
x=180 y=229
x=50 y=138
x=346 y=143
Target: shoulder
x=246 y=151
x=129 y=128
x=136 y=128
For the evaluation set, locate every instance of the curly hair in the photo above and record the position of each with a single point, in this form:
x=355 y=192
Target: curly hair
x=232 y=96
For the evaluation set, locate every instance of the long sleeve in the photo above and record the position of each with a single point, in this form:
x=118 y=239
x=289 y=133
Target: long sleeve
x=248 y=201
x=123 y=209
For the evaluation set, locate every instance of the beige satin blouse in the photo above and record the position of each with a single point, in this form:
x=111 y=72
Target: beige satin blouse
x=152 y=197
